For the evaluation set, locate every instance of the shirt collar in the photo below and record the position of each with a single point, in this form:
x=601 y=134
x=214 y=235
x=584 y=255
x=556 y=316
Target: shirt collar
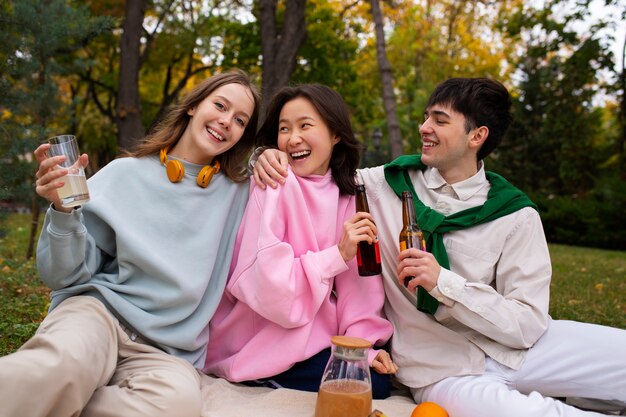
x=463 y=189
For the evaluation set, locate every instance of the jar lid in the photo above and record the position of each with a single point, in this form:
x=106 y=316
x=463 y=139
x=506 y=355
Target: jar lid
x=350 y=342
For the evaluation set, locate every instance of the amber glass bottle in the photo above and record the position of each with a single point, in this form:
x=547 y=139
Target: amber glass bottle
x=367 y=254
x=411 y=235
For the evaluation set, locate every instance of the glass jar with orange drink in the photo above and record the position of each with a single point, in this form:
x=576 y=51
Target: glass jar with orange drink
x=346 y=387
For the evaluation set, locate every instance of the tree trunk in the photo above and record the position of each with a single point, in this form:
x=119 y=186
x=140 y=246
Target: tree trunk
x=622 y=117
x=42 y=120
x=386 y=75
x=280 y=48
x=129 y=126
x=34 y=225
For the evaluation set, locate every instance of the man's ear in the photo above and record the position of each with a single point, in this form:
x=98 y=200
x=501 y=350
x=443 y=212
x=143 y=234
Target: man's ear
x=479 y=136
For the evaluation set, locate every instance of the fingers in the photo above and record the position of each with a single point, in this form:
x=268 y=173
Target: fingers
x=257 y=179
x=383 y=363
x=46 y=166
x=283 y=161
x=84 y=160
x=363 y=227
x=49 y=173
x=271 y=168
x=379 y=367
x=47 y=186
x=412 y=253
x=421 y=267
x=41 y=152
x=276 y=160
x=267 y=173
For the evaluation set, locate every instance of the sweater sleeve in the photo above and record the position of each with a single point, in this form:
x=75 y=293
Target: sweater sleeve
x=268 y=275
x=66 y=253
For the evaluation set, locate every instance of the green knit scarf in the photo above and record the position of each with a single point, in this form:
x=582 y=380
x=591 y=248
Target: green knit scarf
x=502 y=199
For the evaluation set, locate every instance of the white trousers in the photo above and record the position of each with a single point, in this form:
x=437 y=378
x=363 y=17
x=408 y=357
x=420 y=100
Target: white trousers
x=82 y=362
x=571 y=359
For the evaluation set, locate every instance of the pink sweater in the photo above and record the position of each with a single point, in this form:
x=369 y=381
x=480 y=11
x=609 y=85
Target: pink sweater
x=289 y=289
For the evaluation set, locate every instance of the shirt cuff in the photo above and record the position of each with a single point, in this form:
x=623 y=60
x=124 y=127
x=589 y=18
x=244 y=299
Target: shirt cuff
x=329 y=262
x=255 y=156
x=371 y=355
x=62 y=223
x=449 y=288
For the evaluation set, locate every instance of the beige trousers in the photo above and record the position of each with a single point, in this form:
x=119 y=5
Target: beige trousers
x=82 y=362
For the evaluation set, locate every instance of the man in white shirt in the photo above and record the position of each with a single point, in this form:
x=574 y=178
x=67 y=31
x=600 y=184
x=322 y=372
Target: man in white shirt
x=480 y=342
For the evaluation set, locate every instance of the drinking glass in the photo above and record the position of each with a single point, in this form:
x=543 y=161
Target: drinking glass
x=74 y=191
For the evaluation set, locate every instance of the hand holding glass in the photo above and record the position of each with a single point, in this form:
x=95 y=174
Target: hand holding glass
x=74 y=191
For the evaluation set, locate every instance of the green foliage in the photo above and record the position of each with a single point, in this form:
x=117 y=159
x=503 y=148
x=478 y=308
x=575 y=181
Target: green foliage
x=595 y=219
x=40 y=42
x=550 y=147
x=59 y=73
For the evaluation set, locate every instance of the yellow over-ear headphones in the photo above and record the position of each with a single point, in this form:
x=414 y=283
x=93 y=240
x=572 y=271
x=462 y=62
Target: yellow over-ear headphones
x=176 y=170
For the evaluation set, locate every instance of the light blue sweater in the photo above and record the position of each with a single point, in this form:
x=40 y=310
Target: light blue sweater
x=156 y=253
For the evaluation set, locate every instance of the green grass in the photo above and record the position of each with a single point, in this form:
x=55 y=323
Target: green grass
x=588 y=285
x=23 y=298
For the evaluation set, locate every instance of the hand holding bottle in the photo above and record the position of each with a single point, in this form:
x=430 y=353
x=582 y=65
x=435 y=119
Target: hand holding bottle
x=417 y=268
x=360 y=228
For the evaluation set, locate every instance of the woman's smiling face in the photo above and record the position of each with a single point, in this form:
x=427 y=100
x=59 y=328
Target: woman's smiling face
x=305 y=137
x=216 y=124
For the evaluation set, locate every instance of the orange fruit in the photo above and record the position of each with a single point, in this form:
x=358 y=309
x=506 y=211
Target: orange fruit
x=429 y=409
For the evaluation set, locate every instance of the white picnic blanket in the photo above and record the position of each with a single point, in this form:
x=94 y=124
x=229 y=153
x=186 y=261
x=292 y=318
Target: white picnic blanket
x=224 y=399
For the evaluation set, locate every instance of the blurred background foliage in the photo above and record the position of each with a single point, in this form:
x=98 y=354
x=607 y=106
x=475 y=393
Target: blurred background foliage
x=106 y=70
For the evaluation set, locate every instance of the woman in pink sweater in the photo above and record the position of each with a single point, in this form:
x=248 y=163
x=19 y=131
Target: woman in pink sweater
x=294 y=280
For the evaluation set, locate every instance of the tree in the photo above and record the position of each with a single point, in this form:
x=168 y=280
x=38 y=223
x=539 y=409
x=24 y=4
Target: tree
x=43 y=39
x=556 y=124
x=173 y=42
x=283 y=30
x=386 y=74
x=428 y=42
x=621 y=147
x=129 y=126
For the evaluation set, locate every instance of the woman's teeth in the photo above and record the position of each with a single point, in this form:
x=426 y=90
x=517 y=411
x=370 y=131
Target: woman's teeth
x=300 y=155
x=215 y=134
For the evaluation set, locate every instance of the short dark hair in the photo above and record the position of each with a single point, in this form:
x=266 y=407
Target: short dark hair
x=334 y=111
x=482 y=101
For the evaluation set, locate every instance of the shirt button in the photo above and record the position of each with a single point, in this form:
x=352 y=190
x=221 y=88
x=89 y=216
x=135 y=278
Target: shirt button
x=440 y=299
x=446 y=290
x=479 y=309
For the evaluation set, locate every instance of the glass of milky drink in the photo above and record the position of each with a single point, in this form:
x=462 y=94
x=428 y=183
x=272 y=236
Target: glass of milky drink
x=346 y=387
x=74 y=191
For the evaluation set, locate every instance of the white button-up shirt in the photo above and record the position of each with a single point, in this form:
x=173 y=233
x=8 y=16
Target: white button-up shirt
x=494 y=299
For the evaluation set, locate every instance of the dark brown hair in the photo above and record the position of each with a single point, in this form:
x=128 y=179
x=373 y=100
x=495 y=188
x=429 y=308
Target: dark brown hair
x=482 y=101
x=334 y=111
x=169 y=130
